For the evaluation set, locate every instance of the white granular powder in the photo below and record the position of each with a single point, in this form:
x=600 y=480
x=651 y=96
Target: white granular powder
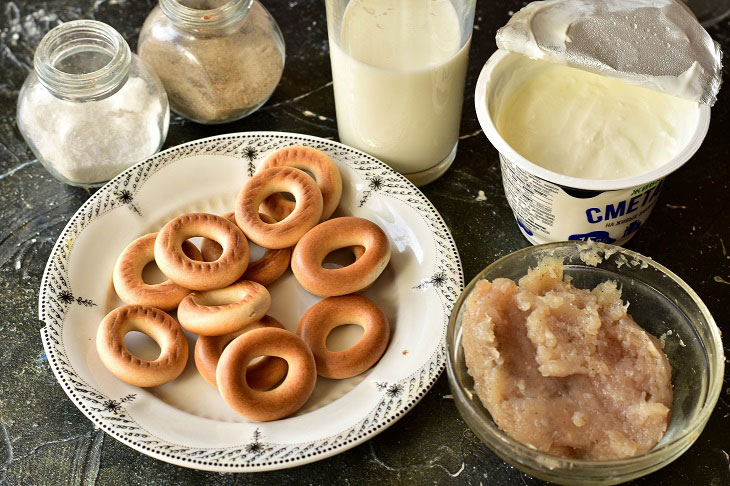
x=91 y=142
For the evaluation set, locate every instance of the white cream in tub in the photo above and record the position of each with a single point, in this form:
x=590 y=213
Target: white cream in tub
x=554 y=206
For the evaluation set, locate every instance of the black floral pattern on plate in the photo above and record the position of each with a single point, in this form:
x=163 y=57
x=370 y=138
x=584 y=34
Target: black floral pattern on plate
x=67 y=297
x=255 y=447
x=125 y=197
x=115 y=406
x=251 y=154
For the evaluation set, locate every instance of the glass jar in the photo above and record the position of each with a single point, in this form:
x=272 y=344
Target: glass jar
x=90 y=109
x=219 y=60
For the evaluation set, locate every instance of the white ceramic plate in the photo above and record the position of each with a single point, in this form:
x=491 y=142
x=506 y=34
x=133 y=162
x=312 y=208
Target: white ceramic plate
x=186 y=422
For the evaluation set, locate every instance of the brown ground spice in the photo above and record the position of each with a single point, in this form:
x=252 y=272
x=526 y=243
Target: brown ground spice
x=217 y=78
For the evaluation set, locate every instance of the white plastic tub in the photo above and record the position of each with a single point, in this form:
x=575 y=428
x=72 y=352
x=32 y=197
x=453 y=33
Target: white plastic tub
x=552 y=207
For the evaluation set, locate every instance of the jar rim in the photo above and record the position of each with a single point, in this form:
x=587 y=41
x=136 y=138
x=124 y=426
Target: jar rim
x=82 y=36
x=205 y=19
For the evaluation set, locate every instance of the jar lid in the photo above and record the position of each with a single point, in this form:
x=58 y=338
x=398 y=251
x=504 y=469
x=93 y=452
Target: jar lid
x=657 y=44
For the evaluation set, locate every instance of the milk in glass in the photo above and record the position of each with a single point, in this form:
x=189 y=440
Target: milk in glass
x=398 y=69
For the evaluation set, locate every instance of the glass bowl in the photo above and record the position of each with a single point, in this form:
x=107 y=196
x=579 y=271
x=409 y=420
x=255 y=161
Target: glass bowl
x=660 y=302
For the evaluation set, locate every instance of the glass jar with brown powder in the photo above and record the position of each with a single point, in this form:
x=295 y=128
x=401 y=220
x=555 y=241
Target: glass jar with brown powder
x=219 y=60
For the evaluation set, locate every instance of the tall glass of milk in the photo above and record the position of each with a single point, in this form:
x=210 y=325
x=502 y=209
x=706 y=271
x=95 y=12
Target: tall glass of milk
x=398 y=68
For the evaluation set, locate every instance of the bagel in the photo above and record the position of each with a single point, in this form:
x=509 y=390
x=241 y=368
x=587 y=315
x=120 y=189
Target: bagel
x=155 y=323
x=266 y=270
x=131 y=287
x=317 y=323
x=288 y=231
x=201 y=275
x=332 y=235
x=279 y=402
x=263 y=375
x=322 y=167
x=221 y=311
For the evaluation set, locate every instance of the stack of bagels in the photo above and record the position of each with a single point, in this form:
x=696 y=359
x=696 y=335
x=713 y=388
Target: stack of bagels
x=221 y=296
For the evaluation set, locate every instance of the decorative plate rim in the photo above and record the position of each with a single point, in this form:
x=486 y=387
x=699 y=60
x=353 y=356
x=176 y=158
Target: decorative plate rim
x=55 y=298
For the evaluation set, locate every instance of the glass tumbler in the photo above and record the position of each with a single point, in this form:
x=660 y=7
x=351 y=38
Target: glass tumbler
x=398 y=68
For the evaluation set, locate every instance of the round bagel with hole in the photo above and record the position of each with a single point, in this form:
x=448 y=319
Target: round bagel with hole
x=320 y=165
x=278 y=402
x=287 y=232
x=262 y=375
x=130 y=285
x=199 y=275
x=156 y=324
x=319 y=321
x=323 y=239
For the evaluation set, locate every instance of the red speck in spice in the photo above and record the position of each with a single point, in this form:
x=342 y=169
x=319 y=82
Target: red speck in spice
x=405 y=351
x=206 y=17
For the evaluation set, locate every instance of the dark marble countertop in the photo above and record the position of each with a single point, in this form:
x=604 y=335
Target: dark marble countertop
x=44 y=439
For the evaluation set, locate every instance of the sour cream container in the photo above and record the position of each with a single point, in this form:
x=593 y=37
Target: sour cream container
x=550 y=207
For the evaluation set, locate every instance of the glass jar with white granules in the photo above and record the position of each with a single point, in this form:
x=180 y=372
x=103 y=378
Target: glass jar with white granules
x=91 y=108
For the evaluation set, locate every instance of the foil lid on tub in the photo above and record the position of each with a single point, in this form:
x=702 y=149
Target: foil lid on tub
x=657 y=44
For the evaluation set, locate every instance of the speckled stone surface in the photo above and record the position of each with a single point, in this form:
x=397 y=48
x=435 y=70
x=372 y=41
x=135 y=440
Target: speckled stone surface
x=44 y=439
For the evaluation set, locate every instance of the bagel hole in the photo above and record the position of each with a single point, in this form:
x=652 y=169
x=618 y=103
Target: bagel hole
x=142 y=346
x=287 y=196
x=342 y=257
x=261 y=382
x=344 y=337
x=308 y=172
x=188 y=251
x=256 y=251
x=152 y=275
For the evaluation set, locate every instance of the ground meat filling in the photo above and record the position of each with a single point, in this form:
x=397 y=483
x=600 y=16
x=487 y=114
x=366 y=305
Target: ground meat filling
x=566 y=370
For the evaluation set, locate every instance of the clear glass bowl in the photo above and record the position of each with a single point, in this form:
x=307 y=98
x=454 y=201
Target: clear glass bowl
x=660 y=302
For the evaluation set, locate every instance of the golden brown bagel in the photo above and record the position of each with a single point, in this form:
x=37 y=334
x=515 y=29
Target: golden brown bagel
x=131 y=287
x=287 y=232
x=263 y=375
x=332 y=235
x=156 y=324
x=321 y=318
x=266 y=270
x=226 y=310
x=322 y=167
x=201 y=275
x=283 y=400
